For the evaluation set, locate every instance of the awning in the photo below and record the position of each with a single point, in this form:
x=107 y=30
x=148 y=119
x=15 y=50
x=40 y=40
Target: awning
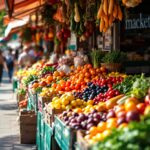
x=16 y=24
x=2 y=3
x=24 y=8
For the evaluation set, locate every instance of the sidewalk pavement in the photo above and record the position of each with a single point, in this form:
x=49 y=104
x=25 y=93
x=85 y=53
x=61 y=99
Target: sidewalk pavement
x=9 y=125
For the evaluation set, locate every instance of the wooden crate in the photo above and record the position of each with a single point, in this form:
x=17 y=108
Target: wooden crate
x=49 y=114
x=81 y=142
x=21 y=97
x=28 y=121
x=42 y=101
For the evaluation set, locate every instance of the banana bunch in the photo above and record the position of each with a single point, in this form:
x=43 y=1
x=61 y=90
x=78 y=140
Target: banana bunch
x=108 y=11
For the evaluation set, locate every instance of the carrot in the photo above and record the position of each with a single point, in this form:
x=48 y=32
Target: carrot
x=102 y=24
x=106 y=22
x=111 y=6
x=115 y=10
x=100 y=12
x=119 y=13
x=111 y=19
x=105 y=7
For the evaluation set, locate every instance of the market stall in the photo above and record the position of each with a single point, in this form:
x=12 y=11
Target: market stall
x=79 y=91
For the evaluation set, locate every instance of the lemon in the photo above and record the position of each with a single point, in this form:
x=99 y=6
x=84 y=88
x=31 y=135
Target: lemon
x=106 y=133
x=68 y=107
x=55 y=98
x=65 y=101
x=90 y=102
x=57 y=106
x=99 y=137
x=74 y=103
x=78 y=102
x=63 y=107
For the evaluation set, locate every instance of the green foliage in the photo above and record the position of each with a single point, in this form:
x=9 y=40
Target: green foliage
x=114 y=57
x=27 y=34
x=126 y=86
x=29 y=79
x=21 y=91
x=47 y=14
x=134 y=137
x=47 y=69
x=2 y=27
x=97 y=56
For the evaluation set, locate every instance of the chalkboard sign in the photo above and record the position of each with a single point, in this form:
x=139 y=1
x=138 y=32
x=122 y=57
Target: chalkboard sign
x=138 y=21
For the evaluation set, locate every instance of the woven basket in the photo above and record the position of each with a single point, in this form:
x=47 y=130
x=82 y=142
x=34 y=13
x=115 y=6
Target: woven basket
x=112 y=66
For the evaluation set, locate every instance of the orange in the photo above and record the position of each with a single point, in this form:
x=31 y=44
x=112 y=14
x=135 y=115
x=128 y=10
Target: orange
x=93 y=130
x=62 y=81
x=89 y=66
x=54 y=85
x=79 y=68
x=123 y=125
x=35 y=85
x=92 y=71
x=98 y=70
x=49 y=78
x=132 y=99
x=102 y=69
x=56 y=73
x=87 y=75
x=102 y=126
x=61 y=73
x=130 y=106
x=58 y=88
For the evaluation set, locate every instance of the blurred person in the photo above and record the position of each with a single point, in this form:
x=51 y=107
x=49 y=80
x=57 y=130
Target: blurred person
x=39 y=51
x=2 y=65
x=25 y=60
x=10 y=64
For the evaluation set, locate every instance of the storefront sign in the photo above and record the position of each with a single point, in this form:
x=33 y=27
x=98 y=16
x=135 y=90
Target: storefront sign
x=140 y=22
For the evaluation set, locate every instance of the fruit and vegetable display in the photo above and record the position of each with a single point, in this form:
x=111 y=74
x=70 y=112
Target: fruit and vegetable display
x=110 y=108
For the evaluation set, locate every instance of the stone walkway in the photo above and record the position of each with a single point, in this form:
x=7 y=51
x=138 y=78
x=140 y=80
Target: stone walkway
x=9 y=126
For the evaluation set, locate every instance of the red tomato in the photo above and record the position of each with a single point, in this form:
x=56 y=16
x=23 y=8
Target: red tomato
x=141 y=107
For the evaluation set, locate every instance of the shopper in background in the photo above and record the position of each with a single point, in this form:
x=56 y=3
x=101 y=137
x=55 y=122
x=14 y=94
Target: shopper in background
x=39 y=51
x=10 y=64
x=2 y=65
x=25 y=60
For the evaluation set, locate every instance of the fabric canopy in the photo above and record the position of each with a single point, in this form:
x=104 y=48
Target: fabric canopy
x=23 y=9
x=15 y=24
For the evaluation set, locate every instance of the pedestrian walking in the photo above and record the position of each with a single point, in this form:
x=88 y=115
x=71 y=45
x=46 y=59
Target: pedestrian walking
x=10 y=64
x=25 y=60
x=2 y=65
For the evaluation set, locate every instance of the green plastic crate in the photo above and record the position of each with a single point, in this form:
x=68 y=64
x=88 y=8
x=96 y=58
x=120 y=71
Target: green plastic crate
x=40 y=131
x=48 y=137
x=15 y=84
x=42 y=143
x=64 y=136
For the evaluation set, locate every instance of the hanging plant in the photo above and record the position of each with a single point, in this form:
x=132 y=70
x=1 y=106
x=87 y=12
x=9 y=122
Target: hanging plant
x=26 y=34
x=47 y=14
x=58 y=16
